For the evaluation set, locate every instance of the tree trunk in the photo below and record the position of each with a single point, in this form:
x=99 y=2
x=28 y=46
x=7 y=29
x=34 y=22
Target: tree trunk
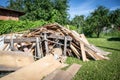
x=98 y=34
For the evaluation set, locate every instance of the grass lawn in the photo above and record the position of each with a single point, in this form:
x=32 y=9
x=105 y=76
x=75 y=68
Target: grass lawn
x=103 y=69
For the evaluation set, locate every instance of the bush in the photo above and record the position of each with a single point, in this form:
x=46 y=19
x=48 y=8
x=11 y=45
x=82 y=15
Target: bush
x=17 y=26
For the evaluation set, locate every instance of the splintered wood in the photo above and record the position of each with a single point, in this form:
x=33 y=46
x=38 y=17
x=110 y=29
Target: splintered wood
x=64 y=75
x=36 y=70
x=57 y=40
x=10 y=61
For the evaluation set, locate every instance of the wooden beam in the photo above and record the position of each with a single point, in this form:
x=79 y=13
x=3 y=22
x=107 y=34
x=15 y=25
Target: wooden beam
x=33 y=39
x=38 y=47
x=13 y=59
x=36 y=70
x=46 y=43
x=65 y=46
x=64 y=75
x=84 y=58
x=75 y=51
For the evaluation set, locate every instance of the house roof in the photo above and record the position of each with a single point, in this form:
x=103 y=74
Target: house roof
x=11 y=10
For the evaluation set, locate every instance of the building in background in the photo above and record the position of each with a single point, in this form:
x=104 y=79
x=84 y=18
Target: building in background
x=8 y=14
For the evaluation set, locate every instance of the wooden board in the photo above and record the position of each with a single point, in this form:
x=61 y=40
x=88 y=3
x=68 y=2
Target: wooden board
x=36 y=70
x=75 y=51
x=82 y=36
x=84 y=58
x=14 y=59
x=64 y=75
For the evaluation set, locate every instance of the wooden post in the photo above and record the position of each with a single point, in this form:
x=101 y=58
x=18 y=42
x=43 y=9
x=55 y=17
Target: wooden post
x=46 y=43
x=38 y=54
x=65 y=45
x=83 y=51
x=12 y=44
x=41 y=50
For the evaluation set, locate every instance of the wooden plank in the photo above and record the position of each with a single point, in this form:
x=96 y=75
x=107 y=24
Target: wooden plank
x=72 y=70
x=65 y=75
x=57 y=52
x=15 y=59
x=8 y=68
x=75 y=51
x=84 y=58
x=33 y=39
x=19 y=40
x=36 y=70
x=46 y=43
x=38 y=48
x=5 y=45
x=11 y=44
x=52 y=75
x=65 y=46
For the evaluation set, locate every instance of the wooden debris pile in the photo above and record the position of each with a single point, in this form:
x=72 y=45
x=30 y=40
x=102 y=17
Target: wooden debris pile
x=57 y=40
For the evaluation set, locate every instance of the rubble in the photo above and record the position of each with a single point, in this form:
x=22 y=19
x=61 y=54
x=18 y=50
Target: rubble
x=53 y=38
x=48 y=46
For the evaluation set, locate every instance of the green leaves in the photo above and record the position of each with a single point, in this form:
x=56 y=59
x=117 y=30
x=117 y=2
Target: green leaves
x=48 y=10
x=115 y=17
x=17 y=26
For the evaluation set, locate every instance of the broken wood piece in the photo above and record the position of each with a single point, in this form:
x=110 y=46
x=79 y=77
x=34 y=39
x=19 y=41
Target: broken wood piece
x=82 y=36
x=5 y=45
x=57 y=52
x=46 y=43
x=84 y=58
x=65 y=46
x=38 y=54
x=75 y=51
x=64 y=75
x=36 y=70
x=14 y=59
x=11 y=44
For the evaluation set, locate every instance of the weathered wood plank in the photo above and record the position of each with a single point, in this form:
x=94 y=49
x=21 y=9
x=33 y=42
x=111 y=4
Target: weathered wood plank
x=65 y=75
x=75 y=51
x=84 y=58
x=15 y=59
x=65 y=46
x=36 y=70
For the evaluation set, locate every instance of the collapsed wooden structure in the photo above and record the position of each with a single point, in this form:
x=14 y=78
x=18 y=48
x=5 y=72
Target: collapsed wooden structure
x=54 y=39
x=43 y=50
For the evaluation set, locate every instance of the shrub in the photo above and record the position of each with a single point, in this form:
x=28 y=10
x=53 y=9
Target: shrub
x=17 y=26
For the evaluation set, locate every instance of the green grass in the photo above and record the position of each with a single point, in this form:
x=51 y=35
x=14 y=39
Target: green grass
x=102 y=69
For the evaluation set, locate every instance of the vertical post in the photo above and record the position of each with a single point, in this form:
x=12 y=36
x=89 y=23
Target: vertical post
x=46 y=43
x=84 y=58
x=38 y=54
x=65 y=45
x=11 y=44
x=41 y=51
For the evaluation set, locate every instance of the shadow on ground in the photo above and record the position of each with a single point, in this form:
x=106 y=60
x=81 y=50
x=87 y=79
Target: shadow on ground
x=109 y=48
x=114 y=39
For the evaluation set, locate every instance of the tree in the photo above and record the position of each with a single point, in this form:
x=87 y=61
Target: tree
x=114 y=17
x=16 y=5
x=100 y=19
x=78 y=21
x=48 y=10
x=62 y=7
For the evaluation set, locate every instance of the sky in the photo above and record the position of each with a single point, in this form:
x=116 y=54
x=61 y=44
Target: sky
x=84 y=7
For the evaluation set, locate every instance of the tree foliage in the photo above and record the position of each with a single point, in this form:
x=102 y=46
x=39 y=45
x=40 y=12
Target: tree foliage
x=48 y=10
x=78 y=21
x=98 y=19
x=115 y=17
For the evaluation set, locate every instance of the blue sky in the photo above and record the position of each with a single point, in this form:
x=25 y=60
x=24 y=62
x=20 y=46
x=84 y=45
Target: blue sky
x=84 y=7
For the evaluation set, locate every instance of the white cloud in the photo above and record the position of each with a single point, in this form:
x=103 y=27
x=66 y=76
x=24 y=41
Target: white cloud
x=113 y=8
x=82 y=9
